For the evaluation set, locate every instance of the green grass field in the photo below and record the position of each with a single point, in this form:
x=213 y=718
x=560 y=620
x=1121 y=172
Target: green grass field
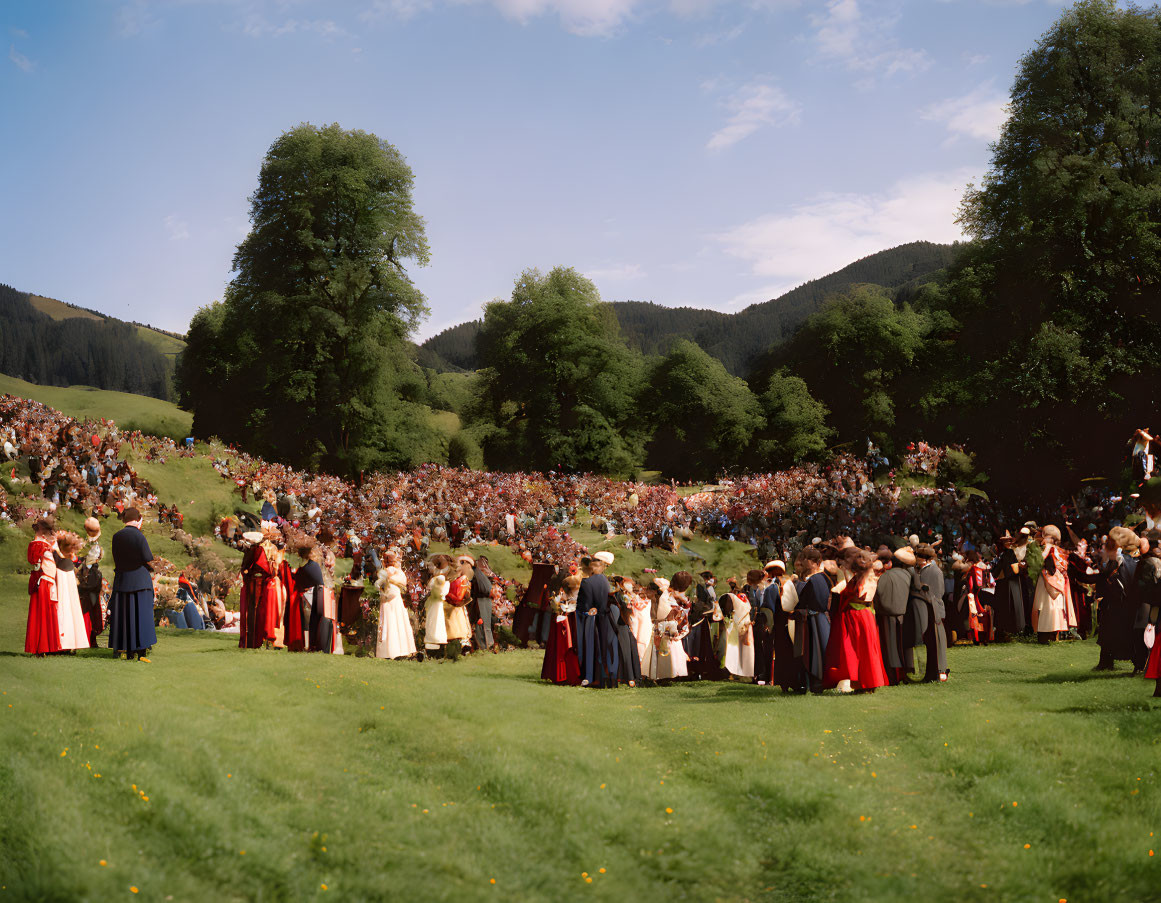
x=279 y=777
x=150 y=415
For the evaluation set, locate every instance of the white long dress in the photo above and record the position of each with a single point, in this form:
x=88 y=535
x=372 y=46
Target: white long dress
x=641 y=626
x=435 y=623
x=69 y=617
x=395 y=638
x=740 y=654
x=669 y=658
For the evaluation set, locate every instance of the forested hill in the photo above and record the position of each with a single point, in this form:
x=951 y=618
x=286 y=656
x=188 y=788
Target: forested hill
x=737 y=340
x=51 y=343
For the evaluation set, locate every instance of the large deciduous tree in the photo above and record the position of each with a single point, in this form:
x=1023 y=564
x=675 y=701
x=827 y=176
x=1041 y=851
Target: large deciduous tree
x=305 y=358
x=1061 y=290
x=856 y=354
x=702 y=417
x=558 y=383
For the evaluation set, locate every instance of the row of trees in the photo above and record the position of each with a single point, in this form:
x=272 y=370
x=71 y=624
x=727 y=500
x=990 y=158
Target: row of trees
x=560 y=388
x=1040 y=346
x=102 y=353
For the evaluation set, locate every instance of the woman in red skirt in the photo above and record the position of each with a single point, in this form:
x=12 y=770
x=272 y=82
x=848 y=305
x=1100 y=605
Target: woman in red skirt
x=43 y=633
x=854 y=660
x=560 y=662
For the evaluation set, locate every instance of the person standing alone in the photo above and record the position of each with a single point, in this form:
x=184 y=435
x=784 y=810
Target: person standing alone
x=131 y=627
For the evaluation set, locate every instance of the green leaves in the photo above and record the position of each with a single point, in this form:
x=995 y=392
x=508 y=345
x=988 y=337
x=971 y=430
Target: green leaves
x=304 y=360
x=559 y=385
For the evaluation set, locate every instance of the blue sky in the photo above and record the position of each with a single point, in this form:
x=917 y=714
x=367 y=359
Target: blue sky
x=689 y=152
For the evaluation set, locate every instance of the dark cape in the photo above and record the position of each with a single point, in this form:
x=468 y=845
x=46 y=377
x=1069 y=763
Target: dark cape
x=309 y=589
x=814 y=602
x=534 y=618
x=1008 y=602
x=596 y=638
x=628 y=659
x=699 y=644
x=762 y=607
x=1116 y=613
x=787 y=671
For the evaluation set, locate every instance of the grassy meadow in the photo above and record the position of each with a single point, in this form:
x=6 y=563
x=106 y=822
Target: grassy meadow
x=218 y=774
x=131 y=412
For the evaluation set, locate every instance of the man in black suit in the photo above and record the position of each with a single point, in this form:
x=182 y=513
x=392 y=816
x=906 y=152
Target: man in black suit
x=599 y=657
x=131 y=627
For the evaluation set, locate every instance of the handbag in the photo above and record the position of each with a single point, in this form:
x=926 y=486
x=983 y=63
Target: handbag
x=1150 y=635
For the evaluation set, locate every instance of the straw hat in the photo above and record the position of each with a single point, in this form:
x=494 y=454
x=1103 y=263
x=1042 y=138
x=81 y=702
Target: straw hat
x=606 y=557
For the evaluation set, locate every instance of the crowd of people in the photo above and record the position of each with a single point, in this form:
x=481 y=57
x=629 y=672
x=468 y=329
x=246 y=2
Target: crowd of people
x=850 y=618
x=401 y=601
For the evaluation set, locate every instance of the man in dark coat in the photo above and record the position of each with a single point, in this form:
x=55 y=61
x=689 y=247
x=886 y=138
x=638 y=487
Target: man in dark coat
x=599 y=649
x=481 y=606
x=890 y=607
x=934 y=637
x=131 y=627
x=814 y=591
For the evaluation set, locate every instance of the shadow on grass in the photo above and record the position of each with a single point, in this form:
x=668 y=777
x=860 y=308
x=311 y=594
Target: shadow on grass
x=1076 y=677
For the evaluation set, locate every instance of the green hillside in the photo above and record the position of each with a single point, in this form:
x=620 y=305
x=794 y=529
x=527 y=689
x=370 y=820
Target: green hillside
x=150 y=415
x=737 y=340
x=62 y=310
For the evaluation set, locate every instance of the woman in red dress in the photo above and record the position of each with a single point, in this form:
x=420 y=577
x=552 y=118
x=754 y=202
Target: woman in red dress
x=853 y=653
x=560 y=662
x=43 y=633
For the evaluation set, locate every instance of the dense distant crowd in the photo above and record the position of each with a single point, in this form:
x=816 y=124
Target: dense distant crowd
x=387 y=522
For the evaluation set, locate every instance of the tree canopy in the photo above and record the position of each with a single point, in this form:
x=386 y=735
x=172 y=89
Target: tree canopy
x=305 y=358
x=559 y=385
x=702 y=418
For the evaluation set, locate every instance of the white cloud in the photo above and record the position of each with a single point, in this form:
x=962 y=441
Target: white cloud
x=825 y=234
x=18 y=33
x=622 y=273
x=979 y=114
x=599 y=18
x=257 y=26
x=755 y=105
x=176 y=227
x=134 y=18
x=398 y=9
x=863 y=43
x=22 y=62
x=715 y=38
x=975 y=59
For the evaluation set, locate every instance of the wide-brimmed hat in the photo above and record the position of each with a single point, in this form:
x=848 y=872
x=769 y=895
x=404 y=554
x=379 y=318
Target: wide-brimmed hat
x=606 y=557
x=252 y=537
x=774 y=564
x=905 y=556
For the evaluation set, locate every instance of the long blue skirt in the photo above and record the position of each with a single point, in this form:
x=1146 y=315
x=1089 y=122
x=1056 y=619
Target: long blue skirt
x=131 y=621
